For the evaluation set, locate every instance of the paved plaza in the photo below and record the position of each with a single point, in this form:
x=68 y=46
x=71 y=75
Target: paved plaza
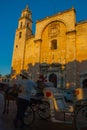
x=6 y=120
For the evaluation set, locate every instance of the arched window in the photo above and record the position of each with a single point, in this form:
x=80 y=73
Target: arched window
x=21 y=24
x=84 y=83
x=20 y=34
x=53 y=79
x=54 y=44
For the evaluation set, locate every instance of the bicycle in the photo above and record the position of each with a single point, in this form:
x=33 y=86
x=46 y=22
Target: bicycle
x=36 y=105
x=80 y=117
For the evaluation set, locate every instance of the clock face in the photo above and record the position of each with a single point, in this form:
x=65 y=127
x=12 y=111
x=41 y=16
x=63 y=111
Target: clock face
x=54 y=29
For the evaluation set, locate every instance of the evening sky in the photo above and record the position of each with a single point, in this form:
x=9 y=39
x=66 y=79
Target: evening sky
x=10 y=12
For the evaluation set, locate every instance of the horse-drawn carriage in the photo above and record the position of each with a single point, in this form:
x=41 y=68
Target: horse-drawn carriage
x=77 y=111
x=53 y=101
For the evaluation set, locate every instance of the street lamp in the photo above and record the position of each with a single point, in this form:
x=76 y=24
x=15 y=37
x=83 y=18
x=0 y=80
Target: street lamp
x=62 y=75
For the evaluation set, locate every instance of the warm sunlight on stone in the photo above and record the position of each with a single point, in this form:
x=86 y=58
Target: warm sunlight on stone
x=58 y=48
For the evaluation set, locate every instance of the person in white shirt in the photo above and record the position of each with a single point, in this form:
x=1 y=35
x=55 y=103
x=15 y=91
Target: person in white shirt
x=26 y=86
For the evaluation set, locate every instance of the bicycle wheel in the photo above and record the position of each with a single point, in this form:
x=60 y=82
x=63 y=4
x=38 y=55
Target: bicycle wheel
x=29 y=116
x=81 y=118
x=44 y=110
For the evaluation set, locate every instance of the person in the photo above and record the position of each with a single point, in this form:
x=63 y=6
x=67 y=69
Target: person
x=40 y=85
x=26 y=86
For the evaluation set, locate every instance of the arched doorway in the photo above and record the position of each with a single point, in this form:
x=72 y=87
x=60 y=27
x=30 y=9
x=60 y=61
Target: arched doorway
x=53 y=78
x=84 y=83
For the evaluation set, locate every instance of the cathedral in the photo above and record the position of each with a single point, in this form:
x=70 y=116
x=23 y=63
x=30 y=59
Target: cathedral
x=57 y=50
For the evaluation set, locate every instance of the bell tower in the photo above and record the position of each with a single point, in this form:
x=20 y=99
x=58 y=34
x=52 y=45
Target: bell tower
x=23 y=32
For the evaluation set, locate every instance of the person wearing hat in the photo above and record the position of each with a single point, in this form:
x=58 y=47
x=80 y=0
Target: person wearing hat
x=26 y=86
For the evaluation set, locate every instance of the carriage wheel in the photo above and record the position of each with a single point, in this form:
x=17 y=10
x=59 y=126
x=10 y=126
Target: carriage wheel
x=81 y=118
x=44 y=110
x=29 y=116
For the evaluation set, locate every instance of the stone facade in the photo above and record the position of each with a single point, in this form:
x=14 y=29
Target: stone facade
x=58 y=49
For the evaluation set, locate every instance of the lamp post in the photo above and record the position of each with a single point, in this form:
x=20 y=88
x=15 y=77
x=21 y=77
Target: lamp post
x=62 y=75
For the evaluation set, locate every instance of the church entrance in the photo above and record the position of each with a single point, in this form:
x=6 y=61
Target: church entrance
x=84 y=84
x=53 y=79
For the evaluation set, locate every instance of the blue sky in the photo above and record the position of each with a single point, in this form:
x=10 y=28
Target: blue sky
x=10 y=11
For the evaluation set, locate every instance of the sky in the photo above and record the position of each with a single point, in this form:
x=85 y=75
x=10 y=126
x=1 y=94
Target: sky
x=10 y=12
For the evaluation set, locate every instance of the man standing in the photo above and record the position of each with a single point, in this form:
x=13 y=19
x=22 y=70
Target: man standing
x=26 y=86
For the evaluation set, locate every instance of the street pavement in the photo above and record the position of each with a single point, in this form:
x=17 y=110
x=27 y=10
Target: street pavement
x=6 y=120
